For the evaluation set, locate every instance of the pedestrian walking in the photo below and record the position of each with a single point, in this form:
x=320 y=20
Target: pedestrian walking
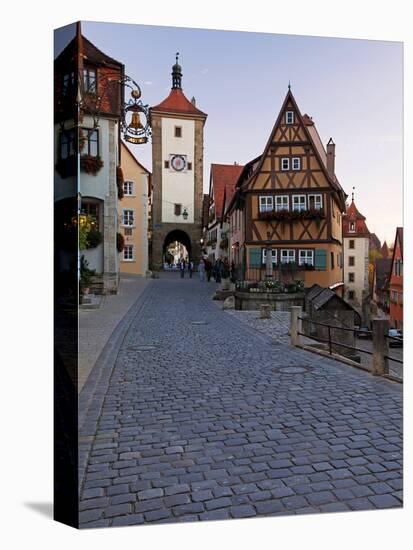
x=201 y=269
x=182 y=268
x=190 y=268
x=208 y=269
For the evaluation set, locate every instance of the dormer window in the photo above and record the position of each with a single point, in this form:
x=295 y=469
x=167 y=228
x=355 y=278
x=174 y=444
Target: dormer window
x=289 y=117
x=89 y=80
x=352 y=227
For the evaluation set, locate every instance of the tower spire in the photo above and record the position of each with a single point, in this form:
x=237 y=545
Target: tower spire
x=352 y=195
x=177 y=74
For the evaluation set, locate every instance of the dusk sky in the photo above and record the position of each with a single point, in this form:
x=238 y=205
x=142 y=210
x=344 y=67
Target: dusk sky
x=351 y=88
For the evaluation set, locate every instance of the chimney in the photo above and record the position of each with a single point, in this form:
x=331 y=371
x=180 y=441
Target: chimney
x=193 y=101
x=331 y=155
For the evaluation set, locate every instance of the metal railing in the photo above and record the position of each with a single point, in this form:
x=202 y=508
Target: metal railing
x=379 y=335
x=329 y=340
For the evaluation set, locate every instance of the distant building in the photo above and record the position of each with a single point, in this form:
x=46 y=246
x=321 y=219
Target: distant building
x=356 y=247
x=223 y=179
x=375 y=244
x=396 y=282
x=382 y=267
x=385 y=251
x=133 y=214
x=177 y=165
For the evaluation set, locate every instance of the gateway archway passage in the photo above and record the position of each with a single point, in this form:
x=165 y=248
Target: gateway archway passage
x=177 y=245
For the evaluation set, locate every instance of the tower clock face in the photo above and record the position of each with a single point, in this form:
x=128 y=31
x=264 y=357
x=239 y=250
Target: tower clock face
x=178 y=162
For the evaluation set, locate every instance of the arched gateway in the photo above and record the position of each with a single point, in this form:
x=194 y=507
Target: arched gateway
x=177 y=163
x=177 y=245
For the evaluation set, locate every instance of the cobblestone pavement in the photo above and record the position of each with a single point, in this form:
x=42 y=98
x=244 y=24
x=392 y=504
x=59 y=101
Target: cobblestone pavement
x=279 y=325
x=96 y=325
x=196 y=424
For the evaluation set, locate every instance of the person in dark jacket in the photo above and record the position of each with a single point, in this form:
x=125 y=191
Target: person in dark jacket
x=182 y=268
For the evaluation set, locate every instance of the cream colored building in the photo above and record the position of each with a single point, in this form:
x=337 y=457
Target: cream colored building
x=356 y=240
x=134 y=213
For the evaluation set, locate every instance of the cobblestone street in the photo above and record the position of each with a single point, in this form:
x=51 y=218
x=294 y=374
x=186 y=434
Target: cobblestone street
x=197 y=416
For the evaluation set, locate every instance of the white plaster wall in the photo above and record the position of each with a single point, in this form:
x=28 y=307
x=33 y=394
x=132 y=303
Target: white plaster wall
x=360 y=269
x=90 y=185
x=177 y=187
x=97 y=186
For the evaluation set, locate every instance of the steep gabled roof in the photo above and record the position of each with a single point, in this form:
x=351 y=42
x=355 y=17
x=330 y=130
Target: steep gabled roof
x=375 y=243
x=398 y=239
x=353 y=215
x=178 y=103
x=313 y=137
x=125 y=148
x=223 y=179
x=90 y=52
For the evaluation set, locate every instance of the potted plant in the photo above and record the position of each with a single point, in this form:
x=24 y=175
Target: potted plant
x=86 y=275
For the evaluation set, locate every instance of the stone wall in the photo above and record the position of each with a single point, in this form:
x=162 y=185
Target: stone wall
x=251 y=301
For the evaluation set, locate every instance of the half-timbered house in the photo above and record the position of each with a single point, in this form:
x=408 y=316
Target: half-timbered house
x=292 y=204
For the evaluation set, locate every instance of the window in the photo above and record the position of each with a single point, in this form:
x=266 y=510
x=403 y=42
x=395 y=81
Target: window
x=351 y=294
x=289 y=117
x=90 y=142
x=128 y=252
x=189 y=165
x=351 y=260
x=351 y=243
x=401 y=298
x=68 y=83
x=394 y=296
x=273 y=256
x=166 y=164
x=306 y=257
x=67 y=144
x=178 y=209
x=89 y=80
x=296 y=163
x=315 y=202
x=338 y=259
x=352 y=227
x=128 y=231
x=282 y=203
x=128 y=188
x=299 y=203
x=398 y=268
x=127 y=217
x=266 y=204
x=285 y=163
x=178 y=131
x=91 y=210
x=351 y=277
x=332 y=259
x=287 y=256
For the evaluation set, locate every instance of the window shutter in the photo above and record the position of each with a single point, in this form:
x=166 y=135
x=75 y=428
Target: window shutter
x=255 y=257
x=320 y=259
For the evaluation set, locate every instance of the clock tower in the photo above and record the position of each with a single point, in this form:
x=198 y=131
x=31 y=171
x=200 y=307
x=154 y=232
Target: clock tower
x=177 y=164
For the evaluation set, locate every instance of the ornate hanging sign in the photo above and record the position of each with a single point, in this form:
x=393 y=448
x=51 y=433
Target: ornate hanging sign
x=135 y=115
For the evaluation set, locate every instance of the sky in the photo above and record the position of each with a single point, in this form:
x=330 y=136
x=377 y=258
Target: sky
x=353 y=90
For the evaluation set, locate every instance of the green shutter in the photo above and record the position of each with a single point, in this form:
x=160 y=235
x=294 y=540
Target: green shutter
x=255 y=257
x=320 y=259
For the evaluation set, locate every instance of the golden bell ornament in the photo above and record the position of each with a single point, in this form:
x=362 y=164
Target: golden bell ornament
x=136 y=122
